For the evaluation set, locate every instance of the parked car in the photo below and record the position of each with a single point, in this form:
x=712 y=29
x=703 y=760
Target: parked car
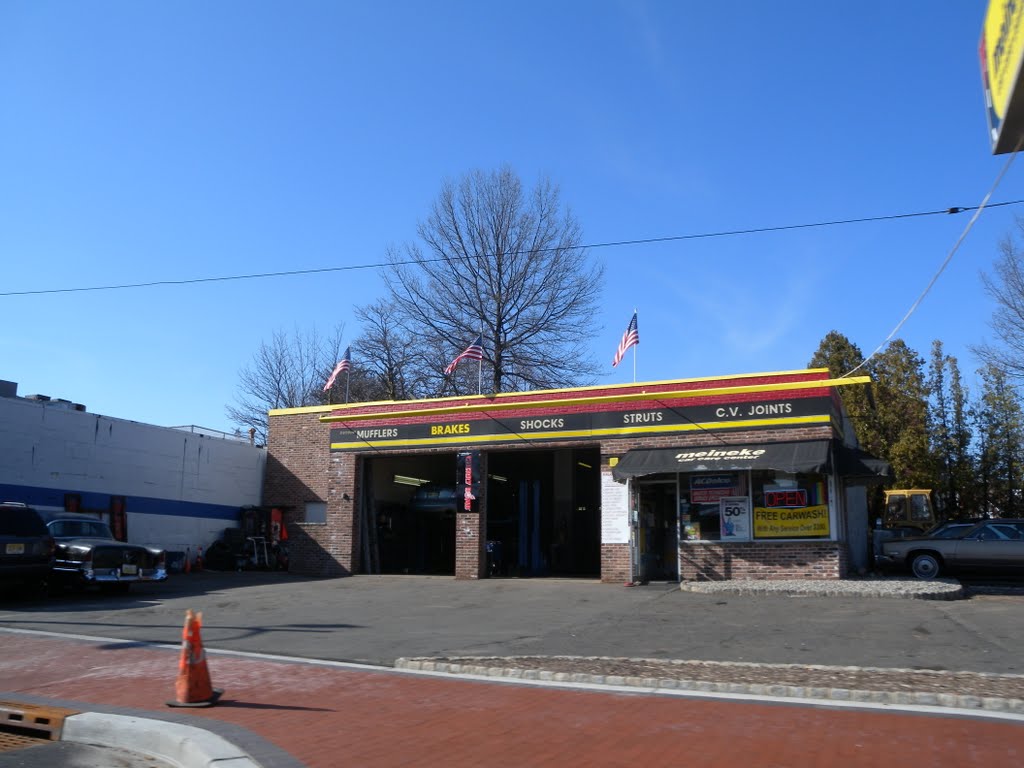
x=951 y=528
x=26 y=547
x=995 y=546
x=88 y=553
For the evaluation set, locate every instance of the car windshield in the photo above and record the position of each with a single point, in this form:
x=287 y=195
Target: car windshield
x=93 y=529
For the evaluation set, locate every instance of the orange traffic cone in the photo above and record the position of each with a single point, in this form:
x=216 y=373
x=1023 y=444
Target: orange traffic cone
x=193 y=688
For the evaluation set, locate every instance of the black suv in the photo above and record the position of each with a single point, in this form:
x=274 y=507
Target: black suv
x=26 y=547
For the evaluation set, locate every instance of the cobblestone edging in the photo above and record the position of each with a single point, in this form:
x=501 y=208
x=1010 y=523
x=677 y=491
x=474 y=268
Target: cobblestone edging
x=907 y=589
x=891 y=677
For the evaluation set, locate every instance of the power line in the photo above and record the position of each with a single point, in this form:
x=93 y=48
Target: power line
x=609 y=244
x=942 y=267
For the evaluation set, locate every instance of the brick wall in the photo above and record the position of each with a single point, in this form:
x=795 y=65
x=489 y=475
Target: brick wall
x=301 y=469
x=615 y=563
x=762 y=560
x=297 y=461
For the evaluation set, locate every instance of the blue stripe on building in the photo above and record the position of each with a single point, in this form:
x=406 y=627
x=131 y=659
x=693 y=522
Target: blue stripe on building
x=100 y=502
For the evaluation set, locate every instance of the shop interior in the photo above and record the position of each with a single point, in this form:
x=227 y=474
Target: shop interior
x=410 y=502
x=543 y=514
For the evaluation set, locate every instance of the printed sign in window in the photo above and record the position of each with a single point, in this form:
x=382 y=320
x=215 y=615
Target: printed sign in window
x=708 y=489
x=783 y=523
x=734 y=518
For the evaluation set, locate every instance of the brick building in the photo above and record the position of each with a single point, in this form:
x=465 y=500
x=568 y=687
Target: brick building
x=747 y=476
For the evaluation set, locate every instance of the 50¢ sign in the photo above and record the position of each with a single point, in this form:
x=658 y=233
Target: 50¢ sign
x=734 y=518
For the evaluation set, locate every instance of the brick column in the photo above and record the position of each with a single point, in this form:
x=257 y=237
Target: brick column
x=471 y=533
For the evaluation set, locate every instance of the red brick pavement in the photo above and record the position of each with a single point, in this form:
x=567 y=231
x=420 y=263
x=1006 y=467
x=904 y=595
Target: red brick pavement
x=333 y=717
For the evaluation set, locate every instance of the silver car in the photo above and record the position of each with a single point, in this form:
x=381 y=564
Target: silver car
x=995 y=546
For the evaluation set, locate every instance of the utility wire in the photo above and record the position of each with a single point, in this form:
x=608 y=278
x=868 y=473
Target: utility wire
x=949 y=257
x=609 y=244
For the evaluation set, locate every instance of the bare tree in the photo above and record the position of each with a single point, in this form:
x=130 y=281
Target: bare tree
x=286 y=372
x=389 y=357
x=1006 y=287
x=508 y=265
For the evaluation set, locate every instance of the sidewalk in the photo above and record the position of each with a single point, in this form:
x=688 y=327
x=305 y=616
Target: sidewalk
x=289 y=713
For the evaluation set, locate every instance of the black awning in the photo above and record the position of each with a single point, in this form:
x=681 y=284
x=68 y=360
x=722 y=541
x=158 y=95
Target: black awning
x=859 y=467
x=803 y=456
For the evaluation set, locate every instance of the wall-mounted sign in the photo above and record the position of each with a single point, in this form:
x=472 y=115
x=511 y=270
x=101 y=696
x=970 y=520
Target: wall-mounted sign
x=734 y=518
x=781 y=523
x=1001 y=51
x=478 y=428
x=468 y=477
x=614 y=511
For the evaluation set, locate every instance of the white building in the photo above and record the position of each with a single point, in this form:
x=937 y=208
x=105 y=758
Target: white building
x=178 y=487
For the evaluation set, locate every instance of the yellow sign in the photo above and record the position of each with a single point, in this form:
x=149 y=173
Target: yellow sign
x=785 y=523
x=1001 y=51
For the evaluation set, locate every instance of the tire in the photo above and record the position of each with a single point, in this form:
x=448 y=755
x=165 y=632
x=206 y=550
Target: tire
x=926 y=566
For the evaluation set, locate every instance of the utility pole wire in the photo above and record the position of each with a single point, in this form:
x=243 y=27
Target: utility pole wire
x=609 y=244
x=949 y=257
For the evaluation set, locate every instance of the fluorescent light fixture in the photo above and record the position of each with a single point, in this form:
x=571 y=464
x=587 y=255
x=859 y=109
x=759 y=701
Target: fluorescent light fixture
x=584 y=465
x=499 y=478
x=404 y=480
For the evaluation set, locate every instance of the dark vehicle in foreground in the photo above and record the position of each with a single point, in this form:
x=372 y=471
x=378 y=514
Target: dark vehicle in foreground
x=26 y=547
x=88 y=553
x=995 y=547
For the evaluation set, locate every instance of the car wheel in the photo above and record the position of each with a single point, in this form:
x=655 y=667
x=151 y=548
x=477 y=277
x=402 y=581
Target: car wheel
x=925 y=566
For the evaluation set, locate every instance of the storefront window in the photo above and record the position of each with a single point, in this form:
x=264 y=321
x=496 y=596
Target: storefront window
x=700 y=496
x=790 y=506
x=776 y=505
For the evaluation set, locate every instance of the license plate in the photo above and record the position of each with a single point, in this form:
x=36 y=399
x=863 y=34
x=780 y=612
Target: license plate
x=15 y=548
x=129 y=570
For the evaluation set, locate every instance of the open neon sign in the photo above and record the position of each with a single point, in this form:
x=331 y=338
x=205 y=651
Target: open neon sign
x=791 y=498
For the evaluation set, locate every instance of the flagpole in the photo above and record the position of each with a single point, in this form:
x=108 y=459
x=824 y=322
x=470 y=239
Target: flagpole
x=480 y=368
x=348 y=376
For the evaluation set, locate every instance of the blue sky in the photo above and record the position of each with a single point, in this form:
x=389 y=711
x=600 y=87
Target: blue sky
x=164 y=141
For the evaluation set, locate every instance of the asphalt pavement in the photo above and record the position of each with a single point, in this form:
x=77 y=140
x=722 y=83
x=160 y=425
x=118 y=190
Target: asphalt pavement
x=377 y=619
x=116 y=656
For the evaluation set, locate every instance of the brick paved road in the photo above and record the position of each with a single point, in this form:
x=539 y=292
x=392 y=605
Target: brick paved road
x=330 y=717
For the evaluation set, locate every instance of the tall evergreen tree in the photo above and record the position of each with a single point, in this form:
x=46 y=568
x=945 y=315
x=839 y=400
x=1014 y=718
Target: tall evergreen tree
x=901 y=406
x=840 y=355
x=1000 y=428
x=950 y=434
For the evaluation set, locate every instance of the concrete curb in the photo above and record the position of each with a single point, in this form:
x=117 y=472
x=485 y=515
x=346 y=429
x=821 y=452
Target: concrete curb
x=896 y=698
x=900 y=589
x=184 y=745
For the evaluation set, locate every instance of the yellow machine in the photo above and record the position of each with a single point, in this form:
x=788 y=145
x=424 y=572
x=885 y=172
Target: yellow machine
x=909 y=508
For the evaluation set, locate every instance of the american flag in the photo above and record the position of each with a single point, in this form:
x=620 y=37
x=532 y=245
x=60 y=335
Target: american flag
x=630 y=338
x=343 y=365
x=474 y=351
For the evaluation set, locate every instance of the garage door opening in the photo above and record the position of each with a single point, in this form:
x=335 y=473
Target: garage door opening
x=409 y=522
x=543 y=513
